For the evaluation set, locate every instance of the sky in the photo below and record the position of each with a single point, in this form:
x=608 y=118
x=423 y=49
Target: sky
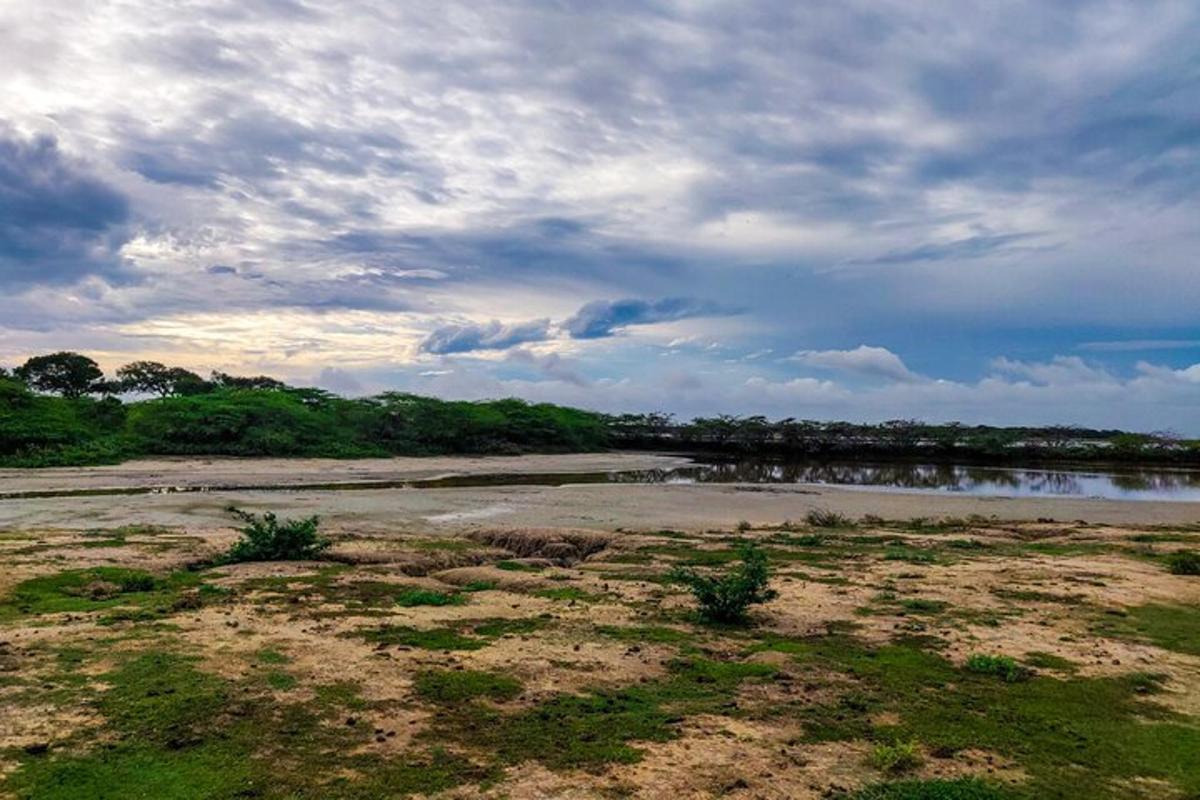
x=866 y=210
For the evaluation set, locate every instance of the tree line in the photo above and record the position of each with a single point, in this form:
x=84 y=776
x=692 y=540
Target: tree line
x=897 y=438
x=60 y=408
x=75 y=375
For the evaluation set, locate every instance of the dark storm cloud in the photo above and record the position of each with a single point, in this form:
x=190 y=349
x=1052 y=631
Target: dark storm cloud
x=487 y=336
x=603 y=318
x=959 y=249
x=57 y=222
x=1019 y=169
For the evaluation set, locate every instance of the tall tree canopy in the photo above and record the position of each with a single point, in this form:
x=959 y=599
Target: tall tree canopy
x=68 y=374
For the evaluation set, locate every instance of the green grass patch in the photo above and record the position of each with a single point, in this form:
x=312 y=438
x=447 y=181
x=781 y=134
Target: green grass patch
x=280 y=680
x=568 y=593
x=591 y=730
x=1036 y=596
x=1167 y=626
x=516 y=566
x=467 y=635
x=897 y=757
x=1073 y=737
x=172 y=732
x=959 y=789
x=459 y=686
x=98 y=588
x=1004 y=667
x=640 y=634
x=1184 y=562
x=426 y=597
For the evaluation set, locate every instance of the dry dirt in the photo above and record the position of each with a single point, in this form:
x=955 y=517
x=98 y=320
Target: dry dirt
x=586 y=540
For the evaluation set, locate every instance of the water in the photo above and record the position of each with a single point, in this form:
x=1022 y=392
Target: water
x=1110 y=484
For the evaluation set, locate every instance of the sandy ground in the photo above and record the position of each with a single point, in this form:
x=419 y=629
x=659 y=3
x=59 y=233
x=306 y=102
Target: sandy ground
x=445 y=539
x=597 y=506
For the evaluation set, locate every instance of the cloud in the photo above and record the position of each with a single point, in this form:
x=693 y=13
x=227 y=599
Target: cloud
x=1060 y=369
x=1136 y=345
x=552 y=365
x=493 y=335
x=57 y=222
x=875 y=362
x=940 y=178
x=605 y=317
x=969 y=248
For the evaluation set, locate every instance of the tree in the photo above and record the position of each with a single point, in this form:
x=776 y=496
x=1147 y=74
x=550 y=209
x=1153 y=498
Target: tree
x=68 y=374
x=226 y=381
x=146 y=376
x=159 y=379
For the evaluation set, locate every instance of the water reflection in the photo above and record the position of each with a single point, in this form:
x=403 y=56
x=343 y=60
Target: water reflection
x=971 y=480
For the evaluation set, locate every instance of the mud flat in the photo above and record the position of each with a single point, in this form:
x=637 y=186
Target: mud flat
x=303 y=486
x=529 y=641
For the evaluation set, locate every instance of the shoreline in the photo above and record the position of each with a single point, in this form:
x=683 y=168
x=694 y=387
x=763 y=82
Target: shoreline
x=603 y=506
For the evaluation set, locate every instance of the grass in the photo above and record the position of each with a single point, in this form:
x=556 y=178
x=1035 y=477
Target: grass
x=649 y=634
x=959 y=789
x=1036 y=596
x=1073 y=737
x=432 y=639
x=1170 y=627
x=459 y=686
x=591 y=730
x=468 y=635
x=898 y=757
x=921 y=605
x=425 y=597
x=172 y=732
x=568 y=593
x=82 y=591
x=1005 y=667
x=1184 y=562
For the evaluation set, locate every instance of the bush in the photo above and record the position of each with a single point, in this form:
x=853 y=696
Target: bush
x=897 y=758
x=1004 y=667
x=267 y=538
x=726 y=598
x=823 y=518
x=1184 y=562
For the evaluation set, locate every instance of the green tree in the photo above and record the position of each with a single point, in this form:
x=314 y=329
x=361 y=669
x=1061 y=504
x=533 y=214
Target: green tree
x=68 y=374
x=159 y=379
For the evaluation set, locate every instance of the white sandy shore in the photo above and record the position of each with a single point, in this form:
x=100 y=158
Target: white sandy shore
x=603 y=506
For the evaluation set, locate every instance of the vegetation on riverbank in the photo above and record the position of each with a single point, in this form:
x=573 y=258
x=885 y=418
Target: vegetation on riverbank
x=966 y=674
x=59 y=410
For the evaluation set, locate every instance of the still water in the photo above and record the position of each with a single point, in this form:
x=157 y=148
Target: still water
x=1110 y=484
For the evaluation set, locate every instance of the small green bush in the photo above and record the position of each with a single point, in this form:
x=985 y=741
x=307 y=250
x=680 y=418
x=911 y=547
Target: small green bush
x=726 y=597
x=1004 y=667
x=428 y=597
x=897 y=758
x=1184 y=562
x=267 y=538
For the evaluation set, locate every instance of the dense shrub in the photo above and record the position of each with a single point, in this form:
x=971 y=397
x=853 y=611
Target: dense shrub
x=267 y=538
x=727 y=597
x=39 y=430
x=898 y=757
x=1004 y=667
x=1184 y=562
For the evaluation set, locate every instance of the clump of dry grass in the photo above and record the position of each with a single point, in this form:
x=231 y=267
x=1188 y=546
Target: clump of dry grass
x=559 y=546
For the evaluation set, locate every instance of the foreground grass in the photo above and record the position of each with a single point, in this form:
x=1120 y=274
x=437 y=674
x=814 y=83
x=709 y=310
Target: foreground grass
x=1074 y=737
x=173 y=732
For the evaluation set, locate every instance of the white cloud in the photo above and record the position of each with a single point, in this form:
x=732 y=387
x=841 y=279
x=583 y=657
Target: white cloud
x=875 y=362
